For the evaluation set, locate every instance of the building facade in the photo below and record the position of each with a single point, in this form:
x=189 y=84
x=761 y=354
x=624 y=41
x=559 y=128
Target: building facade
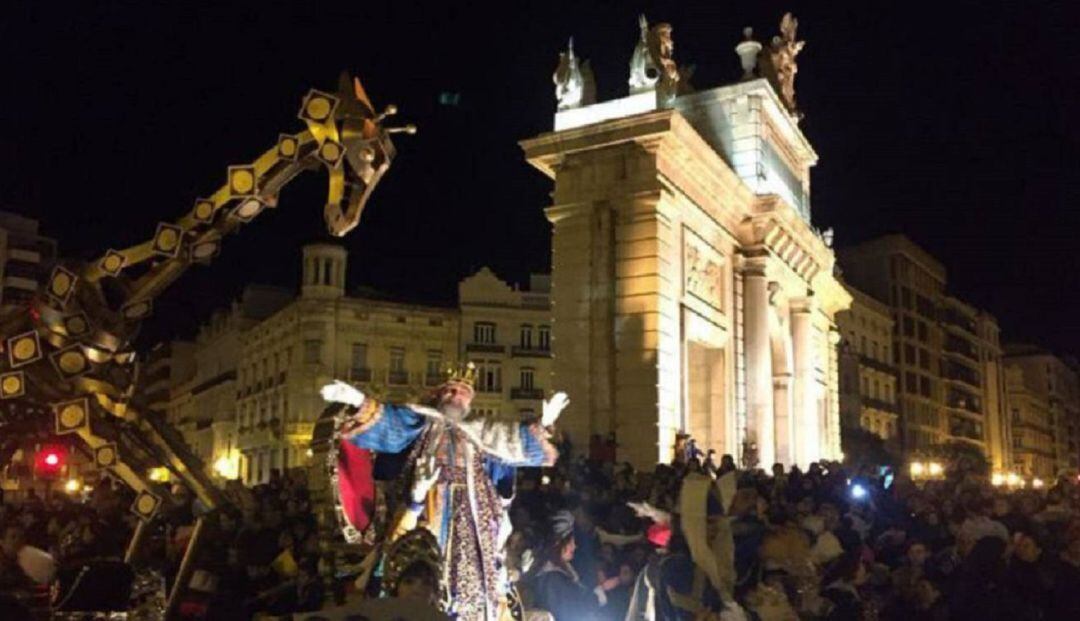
x=1043 y=396
x=947 y=354
x=25 y=255
x=690 y=292
x=506 y=333
x=203 y=403
x=250 y=402
x=868 y=395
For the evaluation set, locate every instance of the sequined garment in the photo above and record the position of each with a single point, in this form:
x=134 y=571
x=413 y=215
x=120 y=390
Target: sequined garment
x=463 y=511
x=463 y=508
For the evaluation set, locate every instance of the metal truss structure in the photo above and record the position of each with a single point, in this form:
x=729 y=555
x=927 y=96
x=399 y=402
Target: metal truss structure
x=71 y=349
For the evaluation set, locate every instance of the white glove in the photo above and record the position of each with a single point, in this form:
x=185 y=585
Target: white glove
x=427 y=473
x=649 y=512
x=340 y=392
x=553 y=407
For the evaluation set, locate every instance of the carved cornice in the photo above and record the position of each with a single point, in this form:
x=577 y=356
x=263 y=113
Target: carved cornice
x=776 y=226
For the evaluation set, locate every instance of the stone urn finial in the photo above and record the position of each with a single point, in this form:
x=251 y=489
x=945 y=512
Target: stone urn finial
x=748 y=50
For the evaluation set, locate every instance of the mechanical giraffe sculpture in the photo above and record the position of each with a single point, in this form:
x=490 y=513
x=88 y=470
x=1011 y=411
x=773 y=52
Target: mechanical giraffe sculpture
x=71 y=348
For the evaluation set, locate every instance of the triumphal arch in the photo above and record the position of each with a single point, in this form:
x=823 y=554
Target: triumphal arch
x=691 y=292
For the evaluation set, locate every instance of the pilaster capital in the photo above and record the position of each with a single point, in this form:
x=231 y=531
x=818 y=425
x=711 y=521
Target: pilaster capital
x=804 y=305
x=753 y=264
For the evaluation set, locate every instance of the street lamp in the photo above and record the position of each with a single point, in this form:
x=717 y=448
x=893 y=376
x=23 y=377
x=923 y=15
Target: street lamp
x=918 y=469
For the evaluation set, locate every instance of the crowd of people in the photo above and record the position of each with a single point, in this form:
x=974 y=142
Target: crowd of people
x=259 y=555
x=592 y=538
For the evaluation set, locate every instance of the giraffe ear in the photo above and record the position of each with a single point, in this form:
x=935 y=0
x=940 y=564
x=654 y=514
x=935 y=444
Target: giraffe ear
x=361 y=95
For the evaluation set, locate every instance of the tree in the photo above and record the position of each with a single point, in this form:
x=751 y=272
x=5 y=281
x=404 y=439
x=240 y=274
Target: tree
x=862 y=447
x=964 y=457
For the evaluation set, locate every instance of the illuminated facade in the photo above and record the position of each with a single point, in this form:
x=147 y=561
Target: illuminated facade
x=690 y=291
x=249 y=403
x=25 y=257
x=506 y=332
x=203 y=397
x=1044 y=410
x=867 y=374
x=947 y=353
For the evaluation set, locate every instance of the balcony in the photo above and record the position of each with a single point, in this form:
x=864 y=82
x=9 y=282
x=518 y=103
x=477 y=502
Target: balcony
x=397 y=378
x=876 y=364
x=359 y=374
x=527 y=393
x=954 y=318
x=960 y=373
x=961 y=347
x=959 y=400
x=485 y=348
x=878 y=404
x=529 y=352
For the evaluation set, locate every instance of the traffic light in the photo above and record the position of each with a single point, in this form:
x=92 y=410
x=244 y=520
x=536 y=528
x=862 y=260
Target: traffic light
x=50 y=462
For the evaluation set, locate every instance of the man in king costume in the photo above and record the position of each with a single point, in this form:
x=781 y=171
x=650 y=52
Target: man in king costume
x=463 y=508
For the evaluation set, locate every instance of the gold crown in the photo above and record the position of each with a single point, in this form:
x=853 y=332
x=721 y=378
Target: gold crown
x=462 y=372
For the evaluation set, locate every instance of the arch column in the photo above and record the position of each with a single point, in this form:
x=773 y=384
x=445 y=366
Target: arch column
x=759 y=380
x=807 y=430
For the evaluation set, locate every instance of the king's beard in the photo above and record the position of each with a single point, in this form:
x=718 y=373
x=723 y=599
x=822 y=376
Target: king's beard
x=453 y=412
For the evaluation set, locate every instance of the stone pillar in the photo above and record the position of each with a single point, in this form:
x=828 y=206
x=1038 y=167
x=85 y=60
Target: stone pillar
x=831 y=417
x=647 y=375
x=782 y=406
x=807 y=435
x=759 y=384
x=580 y=287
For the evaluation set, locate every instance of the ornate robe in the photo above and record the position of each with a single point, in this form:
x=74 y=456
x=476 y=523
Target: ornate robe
x=463 y=508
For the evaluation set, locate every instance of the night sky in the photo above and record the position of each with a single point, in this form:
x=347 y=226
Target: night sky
x=952 y=122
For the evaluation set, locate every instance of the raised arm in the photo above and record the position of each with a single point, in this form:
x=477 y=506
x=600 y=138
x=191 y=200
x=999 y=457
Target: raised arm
x=520 y=444
x=373 y=425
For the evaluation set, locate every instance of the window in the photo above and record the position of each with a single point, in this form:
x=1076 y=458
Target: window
x=484 y=332
x=862 y=345
x=489 y=376
x=865 y=387
x=359 y=356
x=545 y=338
x=877 y=389
x=905 y=297
x=526 y=336
x=312 y=351
x=434 y=363
x=527 y=375
x=923 y=332
x=924 y=306
x=925 y=387
x=911 y=383
x=885 y=353
x=924 y=359
x=397 y=359
x=909 y=354
x=873 y=350
x=909 y=327
x=398 y=375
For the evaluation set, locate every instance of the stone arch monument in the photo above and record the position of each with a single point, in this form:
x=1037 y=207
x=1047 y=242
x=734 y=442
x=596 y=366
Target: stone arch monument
x=690 y=291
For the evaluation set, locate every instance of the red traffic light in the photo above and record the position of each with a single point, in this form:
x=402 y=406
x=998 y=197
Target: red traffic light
x=49 y=462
